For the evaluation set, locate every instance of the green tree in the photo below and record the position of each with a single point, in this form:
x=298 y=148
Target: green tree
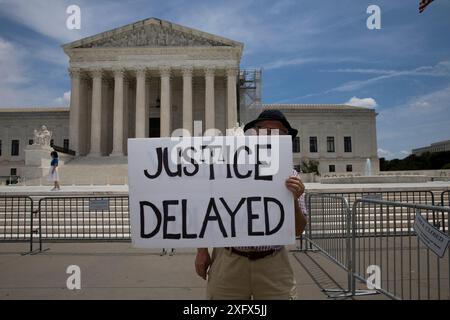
x=426 y=161
x=312 y=166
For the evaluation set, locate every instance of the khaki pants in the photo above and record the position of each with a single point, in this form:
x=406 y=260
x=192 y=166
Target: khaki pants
x=232 y=276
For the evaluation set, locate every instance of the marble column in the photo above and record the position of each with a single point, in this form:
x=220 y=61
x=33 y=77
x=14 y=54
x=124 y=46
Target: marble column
x=75 y=111
x=231 y=98
x=140 y=103
x=210 y=114
x=118 y=122
x=126 y=112
x=96 y=113
x=165 y=102
x=187 y=100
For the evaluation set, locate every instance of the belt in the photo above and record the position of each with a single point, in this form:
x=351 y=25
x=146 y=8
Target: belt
x=253 y=255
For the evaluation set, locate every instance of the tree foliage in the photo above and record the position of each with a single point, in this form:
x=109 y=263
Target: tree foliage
x=426 y=161
x=312 y=166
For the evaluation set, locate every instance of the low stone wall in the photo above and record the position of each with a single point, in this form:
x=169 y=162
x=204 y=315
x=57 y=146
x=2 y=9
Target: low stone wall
x=377 y=179
x=434 y=175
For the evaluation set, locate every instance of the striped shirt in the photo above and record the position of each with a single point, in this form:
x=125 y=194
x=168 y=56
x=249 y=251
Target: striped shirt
x=302 y=204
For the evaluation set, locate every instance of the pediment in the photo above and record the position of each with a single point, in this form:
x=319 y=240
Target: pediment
x=152 y=33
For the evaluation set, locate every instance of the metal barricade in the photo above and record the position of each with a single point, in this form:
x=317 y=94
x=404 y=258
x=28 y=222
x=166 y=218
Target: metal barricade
x=84 y=218
x=329 y=231
x=445 y=202
x=411 y=196
x=383 y=237
x=445 y=198
x=408 y=196
x=16 y=223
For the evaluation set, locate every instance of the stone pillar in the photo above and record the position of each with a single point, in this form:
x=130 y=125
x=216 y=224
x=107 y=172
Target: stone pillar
x=75 y=111
x=96 y=113
x=165 y=102
x=210 y=114
x=118 y=123
x=126 y=112
x=187 y=100
x=140 y=103
x=231 y=98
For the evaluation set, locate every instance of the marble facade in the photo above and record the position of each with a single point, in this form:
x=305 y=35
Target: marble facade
x=152 y=77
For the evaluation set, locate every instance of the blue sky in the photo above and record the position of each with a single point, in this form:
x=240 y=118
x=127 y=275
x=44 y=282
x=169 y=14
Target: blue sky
x=310 y=51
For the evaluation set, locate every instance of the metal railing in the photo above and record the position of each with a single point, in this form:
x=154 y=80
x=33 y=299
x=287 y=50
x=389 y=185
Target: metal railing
x=445 y=198
x=408 y=196
x=16 y=222
x=329 y=231
x=379 y=233
x=416 y=196
x=383 y=236
x=84 y=218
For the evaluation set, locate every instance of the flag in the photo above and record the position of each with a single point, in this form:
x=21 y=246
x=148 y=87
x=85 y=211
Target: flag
x=423 y=5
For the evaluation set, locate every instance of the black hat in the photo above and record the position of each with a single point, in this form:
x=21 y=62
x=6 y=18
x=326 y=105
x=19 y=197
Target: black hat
x=276 y=115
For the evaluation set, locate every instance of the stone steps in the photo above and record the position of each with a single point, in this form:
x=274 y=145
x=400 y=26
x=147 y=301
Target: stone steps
x=89 y=171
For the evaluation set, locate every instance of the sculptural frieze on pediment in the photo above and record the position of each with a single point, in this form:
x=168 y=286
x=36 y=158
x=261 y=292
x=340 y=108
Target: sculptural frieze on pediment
x=152 y=36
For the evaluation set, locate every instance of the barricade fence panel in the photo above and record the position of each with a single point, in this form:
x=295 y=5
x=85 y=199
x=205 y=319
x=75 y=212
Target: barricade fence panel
x=445 y=198
x=328 y=226
x=84 y=218
x=15 y=218
x=417 y=196
x=383 y=236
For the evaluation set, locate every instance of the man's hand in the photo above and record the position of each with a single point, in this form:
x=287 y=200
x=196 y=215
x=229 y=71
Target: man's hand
x=202 y=262
x=295 y=185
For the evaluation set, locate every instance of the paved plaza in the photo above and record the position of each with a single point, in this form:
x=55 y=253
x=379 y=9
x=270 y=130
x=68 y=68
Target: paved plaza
x=118 y=271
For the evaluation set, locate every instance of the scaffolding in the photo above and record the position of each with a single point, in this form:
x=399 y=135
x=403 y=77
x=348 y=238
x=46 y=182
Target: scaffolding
x=250 y=105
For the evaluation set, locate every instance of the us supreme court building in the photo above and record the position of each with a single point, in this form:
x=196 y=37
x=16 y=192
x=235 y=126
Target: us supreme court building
x=151 y=77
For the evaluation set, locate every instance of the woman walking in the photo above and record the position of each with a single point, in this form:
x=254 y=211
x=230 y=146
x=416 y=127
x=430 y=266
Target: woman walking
x=53 y=174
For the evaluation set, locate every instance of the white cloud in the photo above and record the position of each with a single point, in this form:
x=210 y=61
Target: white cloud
x=441 y=69
x=419 y=122
x=384 y=153
x=47 y=17
x=17 y=86
x=405 y=153
x=387 y=154
x=281 y=63
x=63 y=101
x=365 y=102
x=11 y=69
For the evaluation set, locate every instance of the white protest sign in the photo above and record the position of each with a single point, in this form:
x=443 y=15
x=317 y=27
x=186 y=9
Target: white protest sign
x=433 y=238
x=210 y=191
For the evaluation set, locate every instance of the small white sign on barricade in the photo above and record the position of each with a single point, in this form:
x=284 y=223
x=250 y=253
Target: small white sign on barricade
x=201 y=192
x=433 y=238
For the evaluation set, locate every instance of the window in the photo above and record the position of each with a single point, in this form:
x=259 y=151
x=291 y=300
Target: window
x=14 y=148
x=52 y=142
x=66 y=144
x=313 y=144
x=296 y=145
x=347 y=144
x=330 y=144
x=13 y=172
x=30 y=142
x=332 y=168
x=349 y=168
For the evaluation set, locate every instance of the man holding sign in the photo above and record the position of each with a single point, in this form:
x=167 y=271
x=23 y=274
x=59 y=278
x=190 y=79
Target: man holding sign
x=228 y=193
x=259 y=272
